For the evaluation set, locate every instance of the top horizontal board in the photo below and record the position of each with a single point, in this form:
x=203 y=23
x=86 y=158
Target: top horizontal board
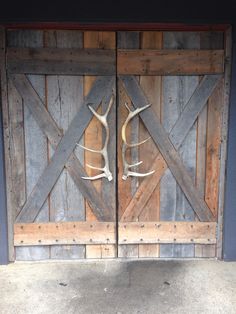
x=170 y=62
x=64 y=61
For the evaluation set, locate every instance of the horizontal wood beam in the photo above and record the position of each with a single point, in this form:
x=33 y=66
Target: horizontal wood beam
x=61 y=233
x=170 y=62
x=58 y=233
x=167 y=232
x=64 y=61
x=118 y=26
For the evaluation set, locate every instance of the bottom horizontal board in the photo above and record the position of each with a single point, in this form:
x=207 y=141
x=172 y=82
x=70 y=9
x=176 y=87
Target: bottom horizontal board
x=167 y=232
x=56 y=233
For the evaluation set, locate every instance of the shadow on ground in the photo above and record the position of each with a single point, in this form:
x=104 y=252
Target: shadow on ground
x=118 y=287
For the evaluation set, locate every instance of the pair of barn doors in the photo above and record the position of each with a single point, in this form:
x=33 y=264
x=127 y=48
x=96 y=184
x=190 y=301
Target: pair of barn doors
x=107 y=91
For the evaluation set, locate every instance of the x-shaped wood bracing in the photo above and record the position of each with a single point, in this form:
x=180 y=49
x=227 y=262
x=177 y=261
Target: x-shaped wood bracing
x=168 y=146
x=64 y=146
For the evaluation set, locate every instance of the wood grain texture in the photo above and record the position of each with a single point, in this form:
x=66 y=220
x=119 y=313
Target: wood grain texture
x=186 y=86
x=126 y=189
x=152 y=86
x=178 y=133
x=213 y=148
x=224 y=136
x=35 y=141
x=93 y=137
x=170 y=62
x=59 y=233
x=54 y=135
x=64 y=97
x=61 y=60
x=65 y=148
x=208 y=40
x=167 y=232
x=166 y=148
x=7 y=144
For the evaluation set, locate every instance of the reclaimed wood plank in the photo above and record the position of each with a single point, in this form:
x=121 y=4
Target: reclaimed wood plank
x=208 y=40
x=187 y=150
x=152 y=86
x=64 y=97
x=11 y=208
x=147 y=186
x=213 y=148
x=67 y=233
x=61 y=61
x=35 y=141
x=195 y=105
x=224 y=136
x=169 y=62
x=94 y=138
x=166 y=148
x=63 y=152
x=167 y=232
x=54 y=134
x=126 y=189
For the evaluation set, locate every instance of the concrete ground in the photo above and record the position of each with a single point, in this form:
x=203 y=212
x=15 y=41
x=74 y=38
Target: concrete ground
x=118 y=287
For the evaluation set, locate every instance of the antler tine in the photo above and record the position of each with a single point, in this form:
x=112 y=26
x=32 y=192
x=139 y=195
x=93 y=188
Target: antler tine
x=89 y=149
x=98 y=176
x=109 y=105
x=95 y=168
x=140 y=143
x=136 y=174
x=127 y=107
x=126 y=172
x=136 y=164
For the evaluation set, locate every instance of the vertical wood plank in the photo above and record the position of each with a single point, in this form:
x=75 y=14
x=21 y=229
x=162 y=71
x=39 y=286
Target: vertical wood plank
x=94 y=138
x=208 y=40
x=224 y=136
x=176 y=92
x=151 y=85
x=128 y=40
x=11 y=208
x=64 y=96
x=35 y=141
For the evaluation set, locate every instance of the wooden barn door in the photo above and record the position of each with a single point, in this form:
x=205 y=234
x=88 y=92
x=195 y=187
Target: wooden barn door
x=175 y=211
x=52 y=78
x=108 y=91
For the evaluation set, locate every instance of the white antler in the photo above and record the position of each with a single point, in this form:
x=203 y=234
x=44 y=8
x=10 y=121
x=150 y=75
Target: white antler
x=106 y=173
x=125 y=145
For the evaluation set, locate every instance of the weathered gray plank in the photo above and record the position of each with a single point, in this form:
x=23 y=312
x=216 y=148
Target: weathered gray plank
x=170 y=91
x=35 y=140
x=166 y=148
x=224 y=136
x=64 y=150
x=194 y=107
x=64 y=97
x=130 y=40
x=168 y=185
x=187 y=150
x=61 y=61
x=6 y=134
x=54 y=134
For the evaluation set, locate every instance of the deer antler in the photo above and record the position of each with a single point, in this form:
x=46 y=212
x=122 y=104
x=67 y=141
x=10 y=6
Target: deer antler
x=106 y=173
x=126 y=172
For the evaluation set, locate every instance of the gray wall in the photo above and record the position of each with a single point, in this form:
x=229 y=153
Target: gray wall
x=229 y=240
